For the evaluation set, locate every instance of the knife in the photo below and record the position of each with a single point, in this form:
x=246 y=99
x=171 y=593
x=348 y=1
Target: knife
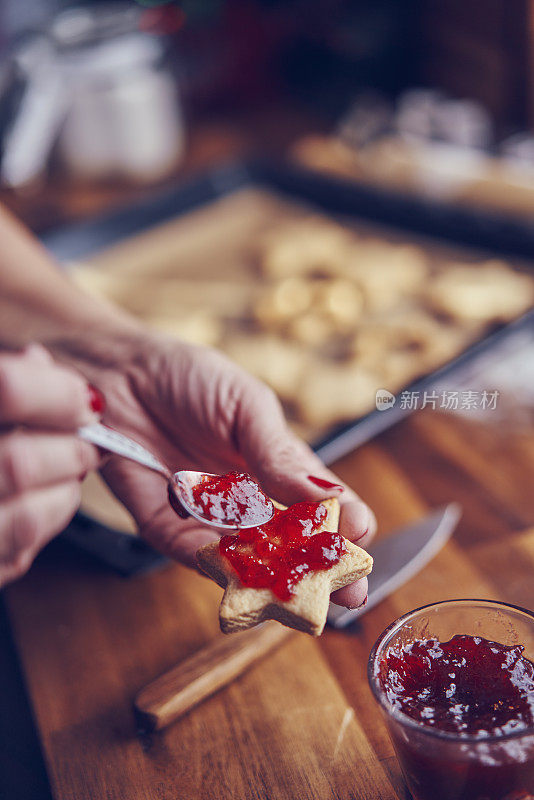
x=400 y=556
x=397 y=558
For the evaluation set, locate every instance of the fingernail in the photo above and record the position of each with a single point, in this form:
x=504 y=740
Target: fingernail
x=325 y=484
x=361 y=605
x=366 y=531
x=97 y=401
x=175 y=503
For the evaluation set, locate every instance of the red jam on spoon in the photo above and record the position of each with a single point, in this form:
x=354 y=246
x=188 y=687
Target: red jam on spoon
x=278 y=554
x=231 y=499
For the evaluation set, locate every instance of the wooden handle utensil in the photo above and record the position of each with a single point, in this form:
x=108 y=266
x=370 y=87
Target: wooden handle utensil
x=205 y=672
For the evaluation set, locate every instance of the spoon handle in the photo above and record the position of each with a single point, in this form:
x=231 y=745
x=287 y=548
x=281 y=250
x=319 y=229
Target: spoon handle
x=116 y=442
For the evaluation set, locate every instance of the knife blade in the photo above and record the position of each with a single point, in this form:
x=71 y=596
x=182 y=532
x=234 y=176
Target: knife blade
x=400 y=556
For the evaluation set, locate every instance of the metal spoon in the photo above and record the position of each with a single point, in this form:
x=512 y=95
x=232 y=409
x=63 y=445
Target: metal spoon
x=180 y=483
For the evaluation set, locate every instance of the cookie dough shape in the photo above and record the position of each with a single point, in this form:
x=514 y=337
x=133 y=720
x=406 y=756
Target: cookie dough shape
x=481 y=292
x=307 y=246
x=335 y=392
x=244 y=607
x=279 y=363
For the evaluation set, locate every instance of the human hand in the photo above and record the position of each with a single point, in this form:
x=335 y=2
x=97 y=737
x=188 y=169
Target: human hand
x=41 y=458
x=195 y=409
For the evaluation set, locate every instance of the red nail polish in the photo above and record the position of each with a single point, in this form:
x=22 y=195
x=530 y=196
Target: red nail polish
x=97 y=401
x=361 y=535
x=325 y=484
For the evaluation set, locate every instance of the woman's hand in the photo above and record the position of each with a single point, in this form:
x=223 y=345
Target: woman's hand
x=41 y=459
x=190 y=405
x=195 y=409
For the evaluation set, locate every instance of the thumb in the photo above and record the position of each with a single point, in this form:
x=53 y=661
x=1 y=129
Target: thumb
x=288 y=470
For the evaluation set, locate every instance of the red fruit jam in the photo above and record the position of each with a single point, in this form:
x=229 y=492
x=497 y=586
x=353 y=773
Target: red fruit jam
x=231 y=499
x=468 y=687
x=279 y=554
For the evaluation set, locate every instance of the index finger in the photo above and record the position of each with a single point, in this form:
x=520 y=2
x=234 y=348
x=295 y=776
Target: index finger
x=42 y=394
x=287 y=468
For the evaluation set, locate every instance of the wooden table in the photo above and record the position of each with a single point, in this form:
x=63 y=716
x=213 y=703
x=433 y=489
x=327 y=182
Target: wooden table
x=302 y=724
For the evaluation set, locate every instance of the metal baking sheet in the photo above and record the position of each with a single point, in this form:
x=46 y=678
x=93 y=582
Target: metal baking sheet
x=446 y=225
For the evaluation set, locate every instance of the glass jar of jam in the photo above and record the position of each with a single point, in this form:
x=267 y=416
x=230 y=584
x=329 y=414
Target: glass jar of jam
x=455 y=682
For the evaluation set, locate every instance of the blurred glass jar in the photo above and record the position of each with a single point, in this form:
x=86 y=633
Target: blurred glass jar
x=123 y=117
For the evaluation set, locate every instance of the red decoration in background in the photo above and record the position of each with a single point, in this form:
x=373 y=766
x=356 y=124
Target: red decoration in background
x=167 y=19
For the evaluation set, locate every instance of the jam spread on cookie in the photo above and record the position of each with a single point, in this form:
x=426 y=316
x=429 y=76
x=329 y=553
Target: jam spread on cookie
x=231 y=499
x=278 y=554
x=467 y=685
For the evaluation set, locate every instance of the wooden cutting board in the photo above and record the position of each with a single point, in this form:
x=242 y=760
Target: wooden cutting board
x=302 y=723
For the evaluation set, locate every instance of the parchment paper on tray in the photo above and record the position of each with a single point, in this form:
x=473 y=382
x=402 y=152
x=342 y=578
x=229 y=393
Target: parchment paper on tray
x=325 y=311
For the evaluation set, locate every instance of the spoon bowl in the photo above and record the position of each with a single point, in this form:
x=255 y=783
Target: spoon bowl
x=183 y=483
x=180 y=484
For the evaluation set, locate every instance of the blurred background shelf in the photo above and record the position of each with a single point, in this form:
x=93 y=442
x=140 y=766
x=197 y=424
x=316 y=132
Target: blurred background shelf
x=235 y=77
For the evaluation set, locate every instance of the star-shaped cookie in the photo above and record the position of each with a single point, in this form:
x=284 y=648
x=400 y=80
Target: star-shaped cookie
x=244 y=607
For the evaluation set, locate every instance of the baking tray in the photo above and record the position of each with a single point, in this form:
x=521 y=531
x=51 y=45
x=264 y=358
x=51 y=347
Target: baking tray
x=495 y=186
x=449 y=225
x=474 y=228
